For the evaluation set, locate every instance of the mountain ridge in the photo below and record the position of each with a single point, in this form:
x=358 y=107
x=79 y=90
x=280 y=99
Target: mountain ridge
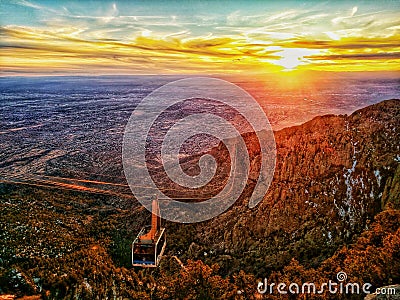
x=333 y=205
x=324 y=171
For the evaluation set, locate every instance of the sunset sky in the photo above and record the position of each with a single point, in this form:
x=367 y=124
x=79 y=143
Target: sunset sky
x=187 y=37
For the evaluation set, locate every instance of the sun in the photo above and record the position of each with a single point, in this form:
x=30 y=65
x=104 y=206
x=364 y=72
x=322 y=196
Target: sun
x=291 y=58
x=288 y=63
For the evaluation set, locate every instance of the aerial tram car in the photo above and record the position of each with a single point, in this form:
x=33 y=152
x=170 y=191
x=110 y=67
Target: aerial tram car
x=149 y=245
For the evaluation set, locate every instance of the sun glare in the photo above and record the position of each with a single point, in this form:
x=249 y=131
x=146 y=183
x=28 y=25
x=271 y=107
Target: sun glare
x=291 y=58
x=288 y=62
x=118 y=38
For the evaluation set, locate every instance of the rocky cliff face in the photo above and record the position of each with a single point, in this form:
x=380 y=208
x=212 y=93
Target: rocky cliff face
x=333 y=174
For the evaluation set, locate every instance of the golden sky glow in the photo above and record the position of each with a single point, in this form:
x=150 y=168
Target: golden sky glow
x=78 y=37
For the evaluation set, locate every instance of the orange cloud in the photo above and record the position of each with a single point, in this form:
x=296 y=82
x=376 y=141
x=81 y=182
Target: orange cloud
x=267 y=48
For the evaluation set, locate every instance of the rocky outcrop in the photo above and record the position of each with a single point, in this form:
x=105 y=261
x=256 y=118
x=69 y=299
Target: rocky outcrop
x=333 y=174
